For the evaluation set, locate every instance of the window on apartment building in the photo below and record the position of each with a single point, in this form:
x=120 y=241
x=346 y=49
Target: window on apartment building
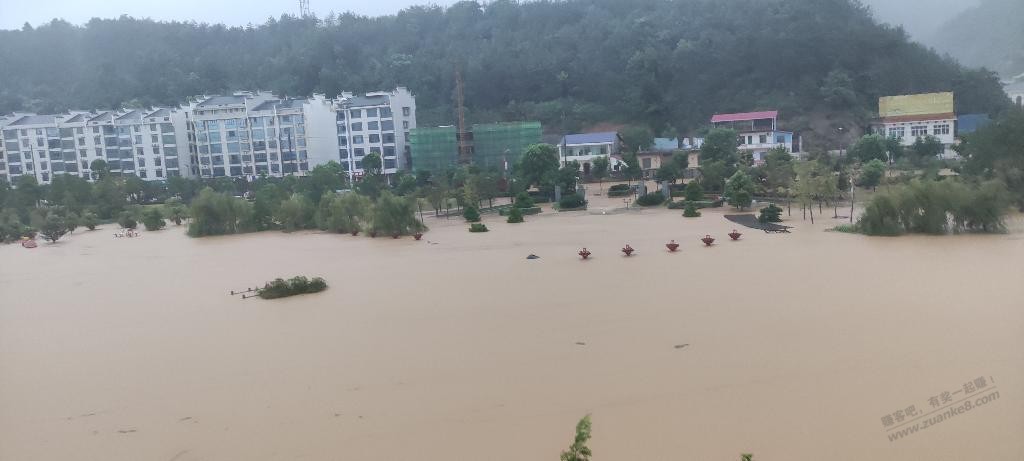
x=918 y=131
x=28 y=156
x=157 y=161
x=389 y=138
x=357 y=113
x=357 y=126
x=373 y=126
x=374 y=138
x=896 y=132
x=780 y=140
x=138 y=150
x=159 y=173
x=389 y=151
x=46 y=177
x=81 y=141
x=99 y=152
x=142 y=162
x=763 y=139
x=371 y=112
x=216 y=149
x=359 y=152
x=218 y=171
x=43 y=166
x=938 y=130
x=357 y=139
x=79 y=130
x=214 y=137
x=83 y=153
x=406 y=111
x=405 y=124
x=233 y=147
x=342 y=141
x=85 y=165
x=135 y=128
x=25 y=143
x=40 y=142
x=234 y=159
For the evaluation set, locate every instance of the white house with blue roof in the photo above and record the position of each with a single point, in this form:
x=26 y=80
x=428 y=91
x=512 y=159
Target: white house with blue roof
x=586 y=147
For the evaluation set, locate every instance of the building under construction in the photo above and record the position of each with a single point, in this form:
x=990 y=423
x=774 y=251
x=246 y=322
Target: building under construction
x=495 y=145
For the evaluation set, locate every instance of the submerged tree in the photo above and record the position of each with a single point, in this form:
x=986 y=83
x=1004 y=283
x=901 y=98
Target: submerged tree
x=578 y=450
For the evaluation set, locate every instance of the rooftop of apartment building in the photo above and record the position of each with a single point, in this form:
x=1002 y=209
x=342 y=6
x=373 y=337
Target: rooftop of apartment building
x=34 y=120
x=280 y=104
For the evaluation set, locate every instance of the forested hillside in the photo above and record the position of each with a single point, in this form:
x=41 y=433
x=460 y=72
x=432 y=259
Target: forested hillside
x=663 y=63
x=990 y=34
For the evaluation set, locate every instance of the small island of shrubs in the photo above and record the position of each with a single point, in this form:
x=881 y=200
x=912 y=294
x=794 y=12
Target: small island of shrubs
x=280 y=288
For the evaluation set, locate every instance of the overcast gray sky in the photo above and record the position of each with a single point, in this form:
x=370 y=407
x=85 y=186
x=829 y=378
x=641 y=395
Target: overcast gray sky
x=921 y=17
x=14 y=13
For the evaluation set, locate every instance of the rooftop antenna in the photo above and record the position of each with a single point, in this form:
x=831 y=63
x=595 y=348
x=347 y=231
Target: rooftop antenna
x=303 y=8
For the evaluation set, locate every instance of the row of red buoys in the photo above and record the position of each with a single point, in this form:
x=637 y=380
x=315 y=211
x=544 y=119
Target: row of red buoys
x=671 y=245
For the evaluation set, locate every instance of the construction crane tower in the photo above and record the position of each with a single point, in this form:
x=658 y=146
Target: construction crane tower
x=464 y=136
x=303 y=8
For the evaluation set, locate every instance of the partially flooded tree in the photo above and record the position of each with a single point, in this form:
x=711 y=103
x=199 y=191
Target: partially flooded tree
x=53 y=228
x=579 y=451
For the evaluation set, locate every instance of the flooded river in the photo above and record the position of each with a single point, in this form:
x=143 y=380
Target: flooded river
x=792 y=347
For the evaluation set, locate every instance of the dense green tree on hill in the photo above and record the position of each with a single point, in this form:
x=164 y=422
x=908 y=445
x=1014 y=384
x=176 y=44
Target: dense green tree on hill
x=654 y=63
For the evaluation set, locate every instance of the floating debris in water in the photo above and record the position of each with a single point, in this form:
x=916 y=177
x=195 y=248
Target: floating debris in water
x=533 y=257
x=581 y=343
x=680 y=346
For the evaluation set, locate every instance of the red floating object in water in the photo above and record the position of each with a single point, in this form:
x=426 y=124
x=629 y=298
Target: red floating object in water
x=584 y=253
x=708 y=240
x=734 y=235
x=628 y=250
x=672 y=246
x=417 y=235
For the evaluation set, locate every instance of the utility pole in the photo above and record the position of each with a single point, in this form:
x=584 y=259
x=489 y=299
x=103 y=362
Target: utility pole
x=303 y=8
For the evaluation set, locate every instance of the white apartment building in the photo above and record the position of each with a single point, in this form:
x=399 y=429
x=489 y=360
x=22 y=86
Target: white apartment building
x=242 y=135
x=144 y=142
x=377 y=122
x=135 y=141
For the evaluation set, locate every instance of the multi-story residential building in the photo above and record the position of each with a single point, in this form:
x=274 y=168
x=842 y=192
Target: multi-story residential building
x=584 y=148
x=908 y=117
x=758 y=132
x=46 y=145
x=377 y=122
x=242 y=135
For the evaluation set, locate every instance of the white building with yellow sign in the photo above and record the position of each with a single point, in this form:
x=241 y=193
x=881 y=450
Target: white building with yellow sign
x=913 y=116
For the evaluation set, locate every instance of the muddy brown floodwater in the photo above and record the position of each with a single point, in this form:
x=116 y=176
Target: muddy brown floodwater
x=797 y=347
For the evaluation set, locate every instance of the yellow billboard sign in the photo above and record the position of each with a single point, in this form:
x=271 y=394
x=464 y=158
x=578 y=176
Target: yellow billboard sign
x=915 y=104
